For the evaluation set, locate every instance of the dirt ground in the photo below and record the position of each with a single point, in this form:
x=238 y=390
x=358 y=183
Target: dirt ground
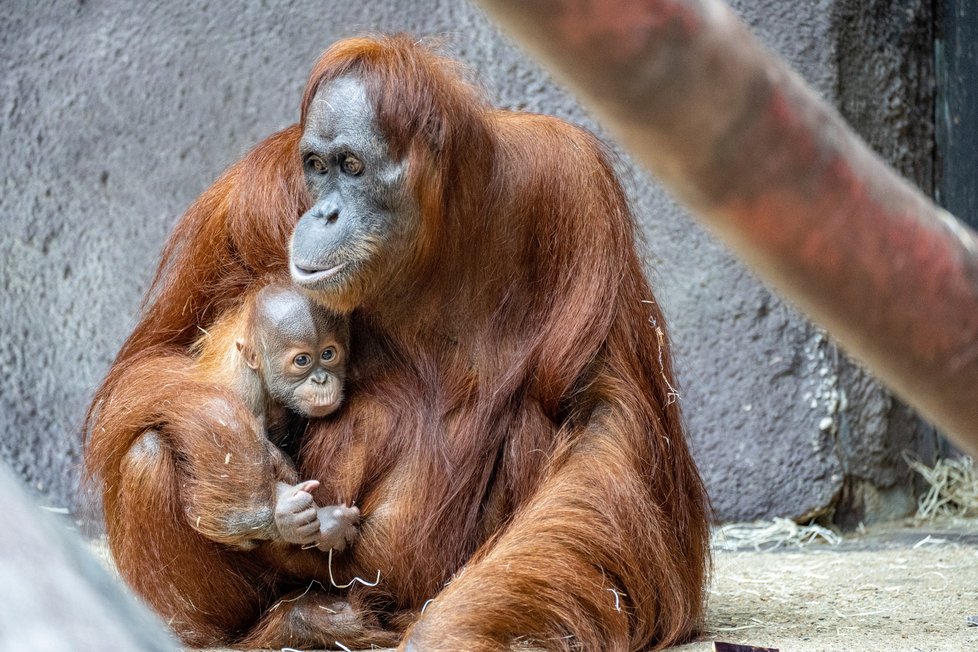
x=899 y=587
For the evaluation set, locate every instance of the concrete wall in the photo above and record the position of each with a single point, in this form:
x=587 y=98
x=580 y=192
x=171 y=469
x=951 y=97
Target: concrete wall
x=115 y=115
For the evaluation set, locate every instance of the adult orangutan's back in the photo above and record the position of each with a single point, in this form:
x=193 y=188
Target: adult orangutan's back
x=511 y=393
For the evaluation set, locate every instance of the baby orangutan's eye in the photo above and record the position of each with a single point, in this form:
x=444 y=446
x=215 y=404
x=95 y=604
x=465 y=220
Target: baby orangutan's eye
x=302 y=360
x=328 y=353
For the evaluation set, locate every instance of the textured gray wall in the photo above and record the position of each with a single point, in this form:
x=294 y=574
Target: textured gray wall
x=113 y=118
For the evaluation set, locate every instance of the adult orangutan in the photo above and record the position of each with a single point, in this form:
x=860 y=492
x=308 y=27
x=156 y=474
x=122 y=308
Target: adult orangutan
x=511 y=434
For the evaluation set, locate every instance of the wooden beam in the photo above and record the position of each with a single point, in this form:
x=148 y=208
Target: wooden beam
x=779 y=176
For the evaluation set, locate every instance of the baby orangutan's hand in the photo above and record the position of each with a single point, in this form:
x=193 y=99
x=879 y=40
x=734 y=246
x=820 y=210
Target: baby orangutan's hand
x=296 y=516
x=337 y=527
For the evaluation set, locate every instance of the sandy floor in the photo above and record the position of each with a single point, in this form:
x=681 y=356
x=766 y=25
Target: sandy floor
x=895 y=588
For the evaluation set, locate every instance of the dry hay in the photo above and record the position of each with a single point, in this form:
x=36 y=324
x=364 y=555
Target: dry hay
x=770 y=535
x=952 y=488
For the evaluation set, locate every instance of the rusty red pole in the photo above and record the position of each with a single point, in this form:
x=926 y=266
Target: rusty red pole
x=780 y=177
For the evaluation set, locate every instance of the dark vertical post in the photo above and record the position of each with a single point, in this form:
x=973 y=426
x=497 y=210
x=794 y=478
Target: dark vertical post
x=956 y=112
x=957 y=108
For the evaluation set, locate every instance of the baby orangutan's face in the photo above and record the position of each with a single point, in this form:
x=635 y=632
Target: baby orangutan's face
x=307 y=377
x=298 y=350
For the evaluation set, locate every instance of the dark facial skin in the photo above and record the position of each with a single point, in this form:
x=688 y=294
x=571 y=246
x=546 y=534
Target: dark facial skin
x=299 y=352
x=361 y=215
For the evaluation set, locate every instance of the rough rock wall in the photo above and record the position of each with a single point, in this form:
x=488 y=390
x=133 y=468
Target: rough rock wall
x=886 y=90
x=114 y=116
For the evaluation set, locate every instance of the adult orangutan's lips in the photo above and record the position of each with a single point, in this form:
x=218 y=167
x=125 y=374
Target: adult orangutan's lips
x=311 y=276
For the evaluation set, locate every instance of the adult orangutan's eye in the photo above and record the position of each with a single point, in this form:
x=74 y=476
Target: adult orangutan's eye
x=351 y=165
x=316 y=164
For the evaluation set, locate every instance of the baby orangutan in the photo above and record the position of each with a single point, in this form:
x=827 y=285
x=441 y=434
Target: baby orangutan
x=285 y=357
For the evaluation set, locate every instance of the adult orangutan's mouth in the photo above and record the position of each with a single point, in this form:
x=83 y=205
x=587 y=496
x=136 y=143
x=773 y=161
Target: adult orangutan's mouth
x=311 y=276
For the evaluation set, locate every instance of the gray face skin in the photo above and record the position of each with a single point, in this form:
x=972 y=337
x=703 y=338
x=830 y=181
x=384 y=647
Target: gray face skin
x=301 y=352
x=361 y=215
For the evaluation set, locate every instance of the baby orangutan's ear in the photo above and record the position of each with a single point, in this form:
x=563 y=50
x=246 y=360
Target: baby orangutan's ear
x=248 y=352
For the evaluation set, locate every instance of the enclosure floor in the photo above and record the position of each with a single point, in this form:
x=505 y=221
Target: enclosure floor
x=893 y=588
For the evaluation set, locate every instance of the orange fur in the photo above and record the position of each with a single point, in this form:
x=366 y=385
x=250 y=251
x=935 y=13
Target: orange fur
x=512 y=426
x=219 y=359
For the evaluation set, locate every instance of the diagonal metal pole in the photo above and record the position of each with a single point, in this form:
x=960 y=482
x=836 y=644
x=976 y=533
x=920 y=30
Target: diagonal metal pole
x=778 y=175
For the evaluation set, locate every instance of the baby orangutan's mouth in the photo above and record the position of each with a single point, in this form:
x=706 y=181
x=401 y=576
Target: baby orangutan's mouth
x=320 y=403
